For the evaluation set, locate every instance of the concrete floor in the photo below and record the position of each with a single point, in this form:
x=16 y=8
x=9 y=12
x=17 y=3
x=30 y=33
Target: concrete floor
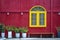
x=32 y=39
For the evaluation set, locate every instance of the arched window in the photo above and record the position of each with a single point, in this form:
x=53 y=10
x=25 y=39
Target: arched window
x=37 y=17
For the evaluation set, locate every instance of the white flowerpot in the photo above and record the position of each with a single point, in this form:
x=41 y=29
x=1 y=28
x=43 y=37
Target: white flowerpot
x=17 y=35
x=24 y=35
x=9 y=34
x=3 y=35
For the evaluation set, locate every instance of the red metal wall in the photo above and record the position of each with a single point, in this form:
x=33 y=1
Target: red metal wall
x=15 y=7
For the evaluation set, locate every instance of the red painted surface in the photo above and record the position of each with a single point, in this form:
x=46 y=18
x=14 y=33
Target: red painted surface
x=15 y=7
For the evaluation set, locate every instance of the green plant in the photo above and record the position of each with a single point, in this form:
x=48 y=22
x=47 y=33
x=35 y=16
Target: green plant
x=24 y=29
x=58 y=28
x=17 y=30
x=2 y=28
x=9 y=28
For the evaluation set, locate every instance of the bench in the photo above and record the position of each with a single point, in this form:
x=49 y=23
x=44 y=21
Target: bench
x=41 y=34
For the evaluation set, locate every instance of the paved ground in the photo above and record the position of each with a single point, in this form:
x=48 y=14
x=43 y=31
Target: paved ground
x=32 y=39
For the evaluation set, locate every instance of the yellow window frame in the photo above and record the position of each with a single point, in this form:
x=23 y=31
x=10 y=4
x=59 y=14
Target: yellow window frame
x=37 y=18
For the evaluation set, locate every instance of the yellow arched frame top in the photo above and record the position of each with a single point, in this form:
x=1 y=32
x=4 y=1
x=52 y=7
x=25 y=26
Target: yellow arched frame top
x=37 y=12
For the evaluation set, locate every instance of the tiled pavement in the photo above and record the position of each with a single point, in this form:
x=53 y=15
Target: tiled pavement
x=31 y=39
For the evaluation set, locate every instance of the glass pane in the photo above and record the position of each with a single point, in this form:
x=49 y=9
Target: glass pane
x=33 y=19
x=41 y=19
x=37 y=9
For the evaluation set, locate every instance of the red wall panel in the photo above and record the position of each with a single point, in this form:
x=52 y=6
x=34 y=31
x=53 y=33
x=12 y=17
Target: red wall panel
x=54 y=22
x=25 y=5
x=56 y=5
x=17 y=6
x=22 y=5
x=14 y=19
x=10 y=5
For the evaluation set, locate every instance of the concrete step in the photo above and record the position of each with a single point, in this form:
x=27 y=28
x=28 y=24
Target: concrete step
x=31 y=39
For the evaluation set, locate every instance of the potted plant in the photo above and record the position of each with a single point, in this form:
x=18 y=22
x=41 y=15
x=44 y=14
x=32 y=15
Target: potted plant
x=2 y=29
x=24 y=31
x=17 y=31
x=58 y=30
x=3 y=33
x=1 y=26
x=9 y=28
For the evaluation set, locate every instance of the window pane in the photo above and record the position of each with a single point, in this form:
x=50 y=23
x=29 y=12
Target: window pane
x=33 y=19
x=37 y=9
x=41 y=19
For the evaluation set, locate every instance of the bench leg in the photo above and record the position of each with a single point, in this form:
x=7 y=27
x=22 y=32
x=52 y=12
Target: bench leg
x=41 y=36
x=52 y=36
x=28 y=35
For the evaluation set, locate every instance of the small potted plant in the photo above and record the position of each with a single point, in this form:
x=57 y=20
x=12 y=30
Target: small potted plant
x=9 y=29
x=2 y=29
x=24 y=30
x=3 y=33
x=1 y=26
x=58 y=30
x=17 y=31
